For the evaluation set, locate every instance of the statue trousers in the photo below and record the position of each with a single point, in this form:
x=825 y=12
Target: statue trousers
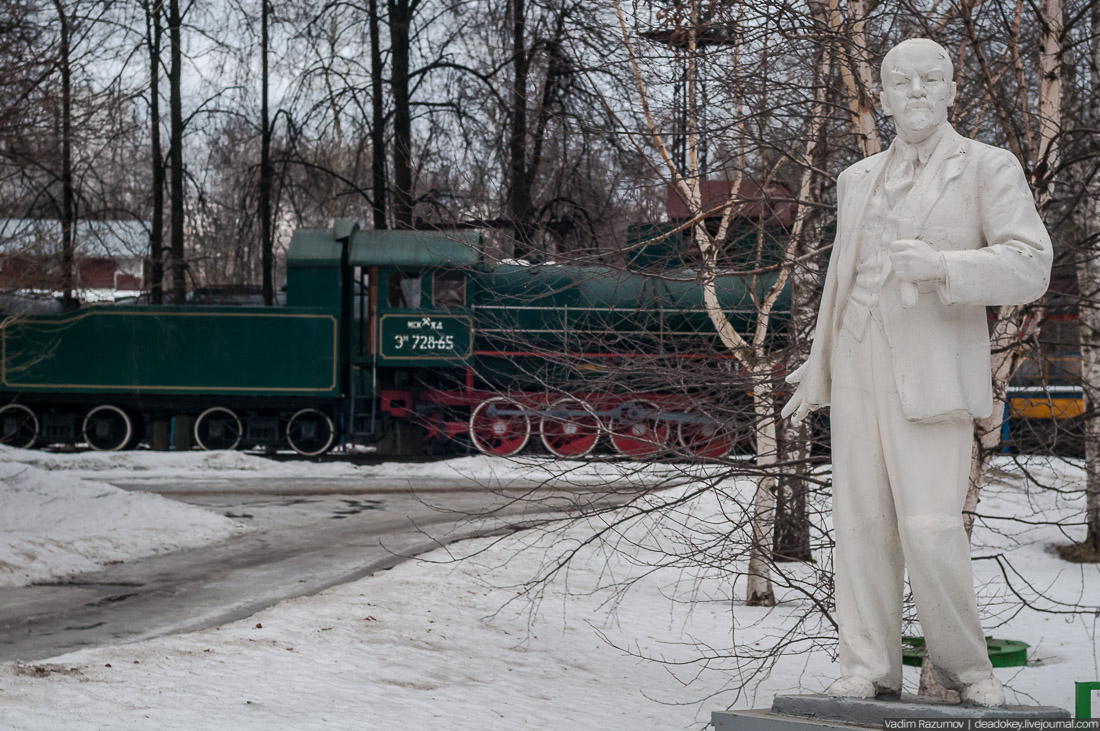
x=898 y=491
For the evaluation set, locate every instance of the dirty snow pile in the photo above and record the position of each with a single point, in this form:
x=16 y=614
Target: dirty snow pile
x=55 y=524
x=148 y=466
x=440 y=643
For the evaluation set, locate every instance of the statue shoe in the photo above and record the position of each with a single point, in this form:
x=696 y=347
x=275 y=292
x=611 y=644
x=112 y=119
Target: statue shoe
x=988 y=692
x=852 y=687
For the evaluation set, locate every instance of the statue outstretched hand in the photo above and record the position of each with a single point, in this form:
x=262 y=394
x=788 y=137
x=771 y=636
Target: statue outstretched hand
x=797 y=408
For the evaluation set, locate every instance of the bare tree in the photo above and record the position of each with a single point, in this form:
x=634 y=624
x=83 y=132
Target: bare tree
x=154 y=35
x=754 y=352
x=176 y=193
x=267 y=174
x=1084 y=204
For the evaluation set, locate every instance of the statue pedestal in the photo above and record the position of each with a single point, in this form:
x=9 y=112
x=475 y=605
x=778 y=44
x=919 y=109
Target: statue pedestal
x=809 y=712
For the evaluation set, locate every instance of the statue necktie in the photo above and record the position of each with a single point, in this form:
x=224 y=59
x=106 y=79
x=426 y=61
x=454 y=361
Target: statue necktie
x=900 y=180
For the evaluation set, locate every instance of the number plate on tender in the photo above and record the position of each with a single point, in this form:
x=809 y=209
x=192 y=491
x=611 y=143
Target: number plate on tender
x=425 y=337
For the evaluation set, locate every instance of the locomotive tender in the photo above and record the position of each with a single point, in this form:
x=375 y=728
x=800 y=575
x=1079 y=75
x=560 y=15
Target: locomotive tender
x=387 y=337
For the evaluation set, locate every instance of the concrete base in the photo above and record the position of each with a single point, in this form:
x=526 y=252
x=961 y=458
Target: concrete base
x=807 y=712
x=761 y=720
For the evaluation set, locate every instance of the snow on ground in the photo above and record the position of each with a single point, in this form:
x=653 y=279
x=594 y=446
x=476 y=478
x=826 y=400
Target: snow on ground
x=159 y=467
x=154 y=466
x=437 y=643
x=1014 y=539
x=61 y=517
x=55 y=524
x=544 y=470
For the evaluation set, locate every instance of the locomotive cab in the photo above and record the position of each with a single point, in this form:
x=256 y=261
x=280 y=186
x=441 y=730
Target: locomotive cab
x=403 y=303
x=402 y=294
x=420 y=315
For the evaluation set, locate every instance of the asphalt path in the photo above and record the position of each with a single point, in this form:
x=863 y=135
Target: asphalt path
x=305 y=536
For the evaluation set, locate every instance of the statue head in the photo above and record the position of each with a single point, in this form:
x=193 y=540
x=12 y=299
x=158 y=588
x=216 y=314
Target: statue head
x=917 y=87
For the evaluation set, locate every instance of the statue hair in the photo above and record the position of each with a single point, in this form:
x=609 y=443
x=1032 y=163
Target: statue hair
x=926 y=43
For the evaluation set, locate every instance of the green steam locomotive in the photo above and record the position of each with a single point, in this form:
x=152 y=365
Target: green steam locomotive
x=408 y=340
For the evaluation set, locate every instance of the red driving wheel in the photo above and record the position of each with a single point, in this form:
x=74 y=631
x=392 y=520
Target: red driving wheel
x=704 y=437
x=571 y=429
x=500 y=426
x=638 y=432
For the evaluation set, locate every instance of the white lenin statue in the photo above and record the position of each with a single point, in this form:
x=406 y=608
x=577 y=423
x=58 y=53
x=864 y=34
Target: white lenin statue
x=929 y=233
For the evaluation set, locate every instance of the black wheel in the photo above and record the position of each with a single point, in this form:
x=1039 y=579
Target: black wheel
x=108 y=429
x=18 y=426
x=310 y=432
x=218 y=428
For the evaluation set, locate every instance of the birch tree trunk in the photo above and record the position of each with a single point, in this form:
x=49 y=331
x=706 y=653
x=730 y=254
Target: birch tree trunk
x=759 y=591
x=855 y=72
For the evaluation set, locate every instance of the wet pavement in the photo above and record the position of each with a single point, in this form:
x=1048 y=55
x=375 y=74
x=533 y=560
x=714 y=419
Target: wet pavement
x=300 y=543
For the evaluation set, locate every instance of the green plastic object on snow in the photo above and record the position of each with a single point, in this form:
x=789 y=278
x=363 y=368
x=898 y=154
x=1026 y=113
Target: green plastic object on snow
x=1002 y=653
x=1083 y=706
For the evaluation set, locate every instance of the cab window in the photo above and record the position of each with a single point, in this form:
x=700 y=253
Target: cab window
x=449 y=290
x=404 y=291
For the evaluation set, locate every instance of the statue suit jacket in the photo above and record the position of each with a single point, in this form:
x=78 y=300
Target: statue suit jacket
x=971 y=202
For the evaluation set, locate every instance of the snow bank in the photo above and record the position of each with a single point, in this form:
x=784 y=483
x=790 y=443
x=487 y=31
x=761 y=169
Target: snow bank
x=148 y=466
x=53 y=525
x=171 y=465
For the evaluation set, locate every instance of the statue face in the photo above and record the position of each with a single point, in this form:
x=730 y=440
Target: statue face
x=917 y=89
